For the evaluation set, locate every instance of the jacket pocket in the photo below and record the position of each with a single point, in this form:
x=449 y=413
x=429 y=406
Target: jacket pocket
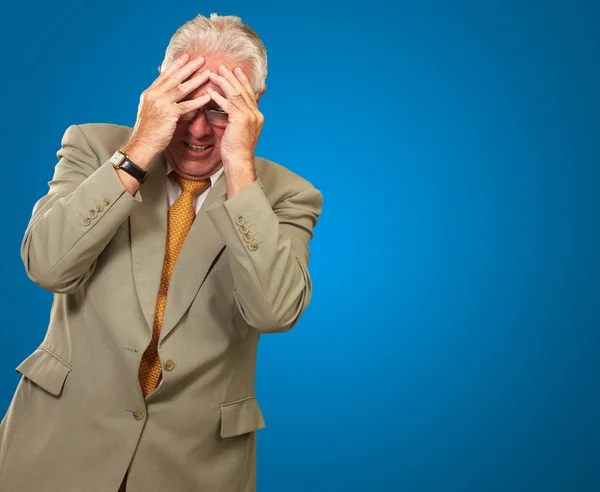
x=46 y=370
x=240 y=417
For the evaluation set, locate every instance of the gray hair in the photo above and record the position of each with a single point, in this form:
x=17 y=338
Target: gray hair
x=225 y=35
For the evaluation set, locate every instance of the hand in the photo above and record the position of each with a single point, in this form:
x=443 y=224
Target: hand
x=159 y=109
x=245 y=120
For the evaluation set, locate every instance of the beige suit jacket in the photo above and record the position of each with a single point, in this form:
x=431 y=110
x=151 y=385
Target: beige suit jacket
x=78 y=420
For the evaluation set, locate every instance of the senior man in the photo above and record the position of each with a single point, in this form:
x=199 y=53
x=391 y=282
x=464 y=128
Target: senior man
x=170 y=248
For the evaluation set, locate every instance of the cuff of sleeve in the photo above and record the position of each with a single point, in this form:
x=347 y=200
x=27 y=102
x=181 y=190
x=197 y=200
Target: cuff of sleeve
x=114 y=181
x=103 y=191
x=249 y=211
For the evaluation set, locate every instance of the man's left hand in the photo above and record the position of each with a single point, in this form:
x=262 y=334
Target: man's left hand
x=245 y=120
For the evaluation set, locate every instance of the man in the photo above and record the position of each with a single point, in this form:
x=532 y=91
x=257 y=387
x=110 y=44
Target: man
x=170 y=248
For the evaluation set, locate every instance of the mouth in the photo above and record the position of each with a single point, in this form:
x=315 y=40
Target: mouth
x=198 y=148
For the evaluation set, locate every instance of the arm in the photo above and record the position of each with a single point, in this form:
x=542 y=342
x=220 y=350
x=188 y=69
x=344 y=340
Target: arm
x=63 y=239
x=272 y=286
x=272 y=282
x=60 y=246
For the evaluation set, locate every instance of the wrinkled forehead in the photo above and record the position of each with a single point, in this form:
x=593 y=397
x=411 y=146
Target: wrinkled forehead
x=213 y=62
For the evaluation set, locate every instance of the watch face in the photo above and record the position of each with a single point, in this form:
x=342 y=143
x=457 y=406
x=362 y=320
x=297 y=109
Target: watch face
x=117 y=158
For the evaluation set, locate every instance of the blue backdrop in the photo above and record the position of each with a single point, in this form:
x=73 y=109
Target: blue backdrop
x=453 y=342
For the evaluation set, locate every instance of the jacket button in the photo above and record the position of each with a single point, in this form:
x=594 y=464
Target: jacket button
x=169 y=364
x=138 y=414
x=240 y=221
x=85 y=221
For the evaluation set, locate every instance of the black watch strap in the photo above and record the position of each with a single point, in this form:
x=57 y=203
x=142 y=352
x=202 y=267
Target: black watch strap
x=130 y=168
x=126 y=164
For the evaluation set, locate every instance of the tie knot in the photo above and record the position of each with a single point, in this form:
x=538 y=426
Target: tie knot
x=192 y=186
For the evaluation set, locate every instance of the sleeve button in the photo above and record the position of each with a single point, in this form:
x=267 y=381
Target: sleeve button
x=85 y=221
x=244 y=229
x=99 y=207
x=253 y=246
x=105 y=201
x=240 y=221
x=92 y=214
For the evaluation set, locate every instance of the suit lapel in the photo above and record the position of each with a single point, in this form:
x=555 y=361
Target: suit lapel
x=148 y=237
x=200 y=248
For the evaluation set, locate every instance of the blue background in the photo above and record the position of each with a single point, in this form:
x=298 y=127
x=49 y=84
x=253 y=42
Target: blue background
x=453 y=342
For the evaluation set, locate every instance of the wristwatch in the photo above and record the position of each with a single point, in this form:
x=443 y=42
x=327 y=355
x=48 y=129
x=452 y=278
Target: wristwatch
x=120 y=160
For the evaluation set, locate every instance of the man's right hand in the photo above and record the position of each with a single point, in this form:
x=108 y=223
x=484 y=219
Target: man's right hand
x=159 y=109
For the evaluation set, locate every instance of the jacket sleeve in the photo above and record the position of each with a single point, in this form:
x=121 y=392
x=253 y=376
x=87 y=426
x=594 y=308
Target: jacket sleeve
x=74 y=222
x=269 y=264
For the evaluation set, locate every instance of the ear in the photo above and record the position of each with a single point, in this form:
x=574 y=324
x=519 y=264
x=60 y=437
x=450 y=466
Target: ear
x=261 y=93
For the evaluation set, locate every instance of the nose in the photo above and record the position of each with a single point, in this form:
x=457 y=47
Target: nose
x=199 y=127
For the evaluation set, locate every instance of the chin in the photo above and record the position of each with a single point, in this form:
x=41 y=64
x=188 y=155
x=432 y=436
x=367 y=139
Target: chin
x=196 y=169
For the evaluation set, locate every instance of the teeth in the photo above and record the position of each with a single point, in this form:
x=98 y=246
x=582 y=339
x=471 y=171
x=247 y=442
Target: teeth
x=197 y=147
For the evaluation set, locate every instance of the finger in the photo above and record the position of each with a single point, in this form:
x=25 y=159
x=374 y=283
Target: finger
x=231 y=78
x=187 y=109
x=233 y=94
x=178 y=63
x=178 y=76
x=241 y=76
x=183 y=89
x=181 y=74
x=248 y=96
x=224 y=103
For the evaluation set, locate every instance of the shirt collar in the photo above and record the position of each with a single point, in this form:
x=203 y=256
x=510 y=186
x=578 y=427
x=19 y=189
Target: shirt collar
x=213 y=178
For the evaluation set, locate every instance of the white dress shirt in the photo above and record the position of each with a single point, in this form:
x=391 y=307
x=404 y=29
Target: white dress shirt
x=173 y=189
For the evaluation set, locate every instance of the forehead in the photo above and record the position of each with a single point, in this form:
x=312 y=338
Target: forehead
x=212 y=62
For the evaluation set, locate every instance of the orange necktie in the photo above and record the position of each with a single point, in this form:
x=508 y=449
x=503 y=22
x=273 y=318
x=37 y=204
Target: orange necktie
x=181 y=217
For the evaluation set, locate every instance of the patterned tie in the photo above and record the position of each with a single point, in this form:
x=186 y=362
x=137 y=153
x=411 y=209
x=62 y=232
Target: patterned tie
x=181 y=216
